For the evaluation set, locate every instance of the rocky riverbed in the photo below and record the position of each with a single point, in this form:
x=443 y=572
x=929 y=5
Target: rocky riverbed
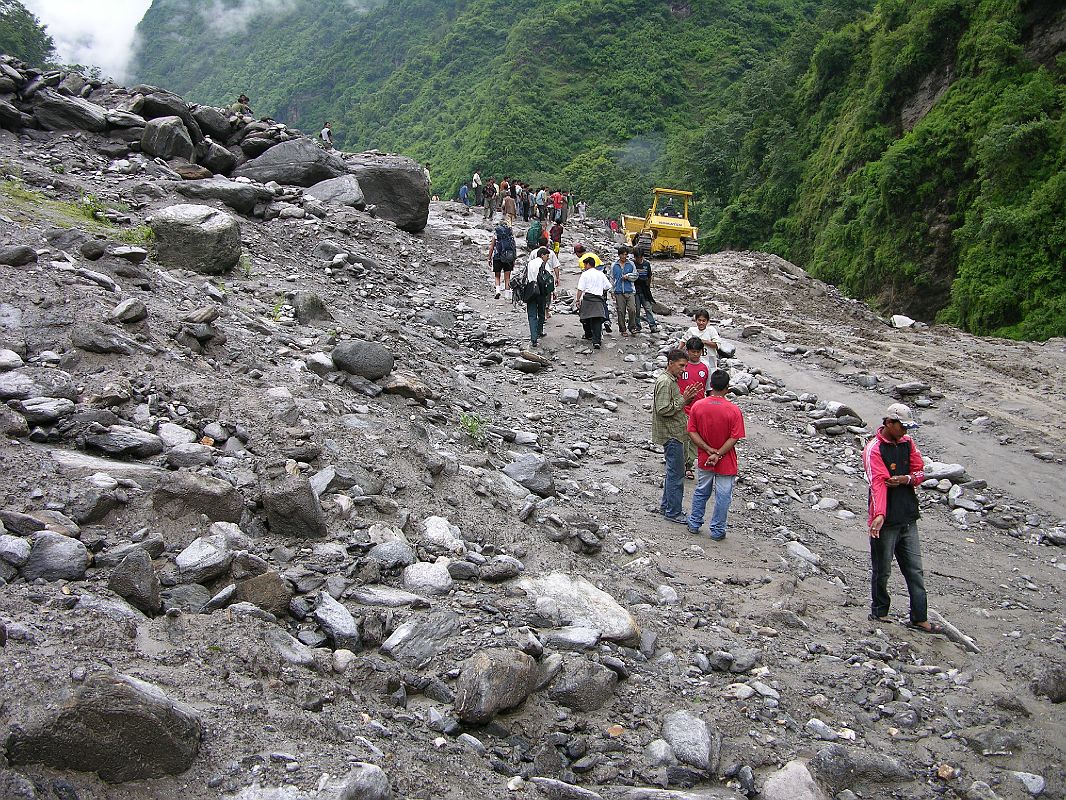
x=290 y=510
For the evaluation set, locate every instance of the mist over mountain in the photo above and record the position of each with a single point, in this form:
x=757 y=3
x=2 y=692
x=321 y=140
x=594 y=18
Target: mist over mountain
x=912 y=153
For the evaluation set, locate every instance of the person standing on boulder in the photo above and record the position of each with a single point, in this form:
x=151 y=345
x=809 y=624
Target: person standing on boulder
x=241 y=106
x=893 y=468
x=326 y=135
x=715 y=425
x=668 y=421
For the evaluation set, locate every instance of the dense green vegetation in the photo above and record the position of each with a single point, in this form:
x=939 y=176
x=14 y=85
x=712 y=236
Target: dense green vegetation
x=22 y=35
x=911 y=152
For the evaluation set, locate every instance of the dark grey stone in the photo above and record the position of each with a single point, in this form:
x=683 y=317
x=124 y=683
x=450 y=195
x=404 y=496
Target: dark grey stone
x=297 y=162
x=293 y=508
x=182 y=493
x=837 y=768
x=492 y=681
x=309 y=307
x=212 y=122
x=416 y=642
x=17 y=255
x=343 y=191
x=534 y=473
x=135 y=580
x=367 y=359
x=55 y=557
x=120 y=727
x=121 y=441
x=167 y=137
x=241 y=197
x=55 y=112
x=583 y=685
x=396 y=186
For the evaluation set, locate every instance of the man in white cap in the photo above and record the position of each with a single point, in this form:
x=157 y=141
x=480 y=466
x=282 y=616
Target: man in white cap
x=893 y=468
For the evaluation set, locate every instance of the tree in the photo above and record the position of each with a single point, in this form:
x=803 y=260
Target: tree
x=22 y=35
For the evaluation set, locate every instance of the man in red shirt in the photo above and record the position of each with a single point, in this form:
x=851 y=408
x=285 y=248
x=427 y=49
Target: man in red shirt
x=696 y=373
x=715 y=425
x=557 y=206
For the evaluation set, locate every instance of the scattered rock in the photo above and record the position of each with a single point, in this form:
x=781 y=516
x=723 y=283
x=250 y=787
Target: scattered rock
x=293 y=509
x=196 y=237
x=492 y=681
x=54 y=557
x=368 y=359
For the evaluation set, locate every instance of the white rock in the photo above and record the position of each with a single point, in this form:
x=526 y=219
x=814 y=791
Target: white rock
x=428 y=579
x=173 y=435
x=1034 y=784
x=819 y=730
x=581 y=603
x=800 y=551
x=9 y=359
x=792 y=782
x=901 y=321
x=442 y=535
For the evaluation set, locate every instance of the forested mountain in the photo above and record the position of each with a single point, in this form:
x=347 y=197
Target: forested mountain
x=912 y=152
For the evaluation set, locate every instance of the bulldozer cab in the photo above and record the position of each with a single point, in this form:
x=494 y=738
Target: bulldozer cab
x=670 y=203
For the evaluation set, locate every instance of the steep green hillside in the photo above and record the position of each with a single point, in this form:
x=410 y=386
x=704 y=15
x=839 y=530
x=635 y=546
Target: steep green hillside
x=911 y=152
x=918 y=158
x=586 y=90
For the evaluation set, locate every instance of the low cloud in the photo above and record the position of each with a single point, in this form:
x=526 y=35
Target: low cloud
x=91 y=33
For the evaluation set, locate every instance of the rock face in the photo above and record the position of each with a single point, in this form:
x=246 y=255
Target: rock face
x=342 y=191
x=120 y=727
x=195 y=237
x=493 y=681
x=397 y=188
x=167 y=137
x=580 y=603
x=56 y=112
x=241 y=197
x=368 y=359
x=298 y=162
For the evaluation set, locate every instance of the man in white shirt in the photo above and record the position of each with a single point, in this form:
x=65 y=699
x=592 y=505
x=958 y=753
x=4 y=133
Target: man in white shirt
x=478 y=190
x=327 y=136
x=590 y=305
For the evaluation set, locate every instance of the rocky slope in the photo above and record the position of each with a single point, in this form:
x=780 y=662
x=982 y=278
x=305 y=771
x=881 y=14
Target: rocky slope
x=290 y=512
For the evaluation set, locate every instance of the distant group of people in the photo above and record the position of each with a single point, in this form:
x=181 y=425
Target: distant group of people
x=515 y=199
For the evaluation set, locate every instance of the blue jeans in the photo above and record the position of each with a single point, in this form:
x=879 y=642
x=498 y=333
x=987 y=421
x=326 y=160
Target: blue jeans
x=535 y=312
x=710 y=483
x=644 y=304
x=674 y=484
x=901 y=542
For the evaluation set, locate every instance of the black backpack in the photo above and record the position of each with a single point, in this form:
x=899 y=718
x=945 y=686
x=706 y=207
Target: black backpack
x=506 y=251
x=522 y=289
x=545 y=281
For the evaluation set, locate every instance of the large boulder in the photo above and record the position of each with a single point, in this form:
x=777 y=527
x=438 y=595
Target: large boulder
x=56 y=112
x=167 y=137
x=196 y=237
x=837 y=767
x=135 y=581
x=583 y=685
x=342 y=191
x=492 y=681
x=241 y=197
x=212 y=122
x=396 y=185
x=182 y=493
x=215 y=157
x=792 y=782
x=56 y=557
x=293 y=508
x=578 y=602
x=158 y=102
x=297 y=162
x=120 y=727
x=27 y=382
x=125 y=441
x=368 y=359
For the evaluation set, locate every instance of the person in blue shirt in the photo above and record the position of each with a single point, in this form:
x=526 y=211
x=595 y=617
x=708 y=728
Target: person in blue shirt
x=643 y=286
x=623 y=279
x=464 y=195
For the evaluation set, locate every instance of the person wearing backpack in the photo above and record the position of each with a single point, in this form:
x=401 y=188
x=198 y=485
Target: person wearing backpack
x=502 y=255
x=533 y=235
x=535 y=291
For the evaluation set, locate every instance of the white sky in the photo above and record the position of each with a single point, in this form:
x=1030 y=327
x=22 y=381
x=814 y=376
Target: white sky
x=92 y=32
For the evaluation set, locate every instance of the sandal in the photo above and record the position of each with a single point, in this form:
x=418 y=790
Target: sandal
x=933 y=629
x=690 y=475
x=882 y=620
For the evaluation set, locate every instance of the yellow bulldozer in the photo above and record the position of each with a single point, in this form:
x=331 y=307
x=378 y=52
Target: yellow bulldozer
x=665 y=230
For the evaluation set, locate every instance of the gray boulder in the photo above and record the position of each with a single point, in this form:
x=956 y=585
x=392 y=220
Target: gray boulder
x=837 y=767
x=492 y=681
x=416 y=642
x=55 y=112
x=27 y=382
x=122 y=441
x=396 y=186
x=43 y=410
x=690 y=739
x=135 y=580
x=293 y=509
x=583 y=685
x=167 y=137
x=215 y=157
x=95 y=337
x=17 y=255
x=1050 y=682
x=338 y=622
x=792 y=782
x=55 y=557
x=205 y=559
x=183 y=493
x=212 y=122
x=161 y=103
x=297 y=162
x=534 y=473
x=363 y=782
x=11 y=118
x=309 y=308
x=342 y=191
x=120 y=727
x=368 y=359
x=241 y=197
x=268 y=591
x=196 y=237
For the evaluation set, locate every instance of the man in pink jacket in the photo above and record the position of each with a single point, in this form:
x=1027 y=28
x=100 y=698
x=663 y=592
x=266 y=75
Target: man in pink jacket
x=893 y=468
